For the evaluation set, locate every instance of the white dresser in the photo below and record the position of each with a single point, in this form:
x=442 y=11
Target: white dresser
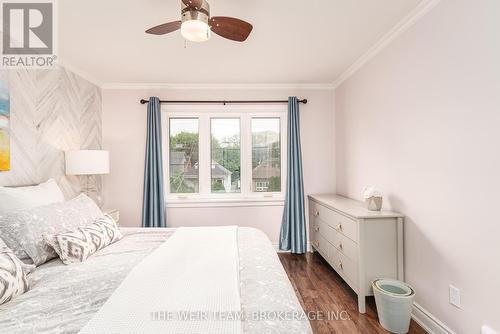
x=361 y=245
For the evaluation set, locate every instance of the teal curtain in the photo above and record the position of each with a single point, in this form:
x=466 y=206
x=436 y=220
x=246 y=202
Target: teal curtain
x=293 y=224
x=153 y=208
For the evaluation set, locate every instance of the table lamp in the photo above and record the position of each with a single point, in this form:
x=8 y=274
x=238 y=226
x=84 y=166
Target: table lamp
x=87 y=163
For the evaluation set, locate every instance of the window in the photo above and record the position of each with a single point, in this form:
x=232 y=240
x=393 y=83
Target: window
x=183 y=155
x=266 y=155
x=225 y=155
x=226 y=152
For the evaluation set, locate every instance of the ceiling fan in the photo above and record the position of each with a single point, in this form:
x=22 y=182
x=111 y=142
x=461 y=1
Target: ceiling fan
x=196 y=24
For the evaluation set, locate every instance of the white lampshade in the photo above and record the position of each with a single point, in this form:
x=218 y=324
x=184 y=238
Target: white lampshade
x=87 y=162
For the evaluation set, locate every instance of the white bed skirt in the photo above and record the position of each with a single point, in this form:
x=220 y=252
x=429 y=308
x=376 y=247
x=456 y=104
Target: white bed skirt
x=190 y=284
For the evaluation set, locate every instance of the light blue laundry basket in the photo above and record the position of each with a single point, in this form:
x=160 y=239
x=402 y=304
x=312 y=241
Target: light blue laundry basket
x=394 y=301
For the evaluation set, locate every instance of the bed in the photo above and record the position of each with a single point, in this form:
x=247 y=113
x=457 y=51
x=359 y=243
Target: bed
x=64 y=298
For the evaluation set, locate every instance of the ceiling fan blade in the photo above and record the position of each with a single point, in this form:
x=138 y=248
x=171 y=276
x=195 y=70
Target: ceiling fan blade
x=165 y=28
x=197 y=4
x=231 y=28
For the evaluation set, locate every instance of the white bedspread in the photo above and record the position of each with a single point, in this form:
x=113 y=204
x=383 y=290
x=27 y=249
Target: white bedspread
x=62 y=298
x=191 y=280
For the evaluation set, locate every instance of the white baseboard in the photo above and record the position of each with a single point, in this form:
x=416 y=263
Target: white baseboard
x=428 y=322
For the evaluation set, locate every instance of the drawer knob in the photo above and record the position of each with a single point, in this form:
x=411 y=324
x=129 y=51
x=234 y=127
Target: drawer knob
x=316 y=213
x=340 y=265
x=339 y=227
x=340 y=246
x=316 y=228
x=317 y=243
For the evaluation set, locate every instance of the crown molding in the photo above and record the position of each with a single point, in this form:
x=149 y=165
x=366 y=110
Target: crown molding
x=234 y=86
x=408 y=21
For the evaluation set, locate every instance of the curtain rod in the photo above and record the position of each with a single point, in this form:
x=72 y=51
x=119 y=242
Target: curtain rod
x=223 y=102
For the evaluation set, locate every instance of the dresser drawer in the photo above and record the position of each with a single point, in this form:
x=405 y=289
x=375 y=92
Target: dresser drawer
x=313 y=213
x=323 y=246
x=346 y=246
x=341 y=223
x=347 y=268
x=326 y=232
x=313 y=210
x=314 y=236
x=314 y=230
x=347 y=227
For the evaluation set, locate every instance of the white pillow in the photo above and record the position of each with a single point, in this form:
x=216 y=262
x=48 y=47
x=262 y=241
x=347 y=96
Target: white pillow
x=30 y=197
x=24 y=229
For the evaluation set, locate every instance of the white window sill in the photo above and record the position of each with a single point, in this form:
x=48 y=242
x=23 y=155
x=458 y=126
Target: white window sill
x=199 y=202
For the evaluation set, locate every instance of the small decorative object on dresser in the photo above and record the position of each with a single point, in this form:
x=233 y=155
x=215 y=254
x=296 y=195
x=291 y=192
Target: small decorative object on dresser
x=373 y=199
x=361 y=245
x=113 y=213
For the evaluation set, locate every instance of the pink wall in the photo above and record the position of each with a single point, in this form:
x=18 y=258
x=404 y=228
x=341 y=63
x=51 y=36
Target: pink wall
x=124 y=126
x=421 y=121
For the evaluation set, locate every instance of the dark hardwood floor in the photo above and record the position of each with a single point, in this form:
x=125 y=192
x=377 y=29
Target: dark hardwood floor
x=319 y=288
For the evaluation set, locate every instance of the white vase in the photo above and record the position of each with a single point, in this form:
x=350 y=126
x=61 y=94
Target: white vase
x=374 y=203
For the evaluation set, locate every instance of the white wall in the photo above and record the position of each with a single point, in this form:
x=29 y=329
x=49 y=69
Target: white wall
x=124 y=132
x=421 y=121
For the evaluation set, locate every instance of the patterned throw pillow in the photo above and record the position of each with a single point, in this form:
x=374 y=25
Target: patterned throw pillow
x=77 y=246
x=24 y=229
x=13 y=281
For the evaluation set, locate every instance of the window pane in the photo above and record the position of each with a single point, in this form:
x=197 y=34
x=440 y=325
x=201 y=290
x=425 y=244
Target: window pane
x=226 y=157
x=266 y=155
x=183 y=156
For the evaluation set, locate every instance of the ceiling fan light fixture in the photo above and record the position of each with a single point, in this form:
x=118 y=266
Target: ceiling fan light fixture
x=195 y=31
x=197 y=25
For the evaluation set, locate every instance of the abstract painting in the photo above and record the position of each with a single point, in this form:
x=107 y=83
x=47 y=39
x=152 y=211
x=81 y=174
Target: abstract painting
x=4 y=127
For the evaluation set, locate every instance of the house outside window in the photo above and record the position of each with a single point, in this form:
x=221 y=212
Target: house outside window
x=261 y=185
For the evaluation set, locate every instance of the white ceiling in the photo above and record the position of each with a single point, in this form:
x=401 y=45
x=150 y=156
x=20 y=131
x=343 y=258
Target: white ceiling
x=293 y=42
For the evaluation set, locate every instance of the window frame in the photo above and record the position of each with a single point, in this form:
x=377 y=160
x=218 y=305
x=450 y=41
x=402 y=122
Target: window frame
x=205 y=113
x=240 y=121
x=166 y=152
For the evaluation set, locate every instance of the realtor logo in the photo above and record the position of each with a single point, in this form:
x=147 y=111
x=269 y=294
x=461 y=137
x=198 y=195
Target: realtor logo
x=28 y=34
